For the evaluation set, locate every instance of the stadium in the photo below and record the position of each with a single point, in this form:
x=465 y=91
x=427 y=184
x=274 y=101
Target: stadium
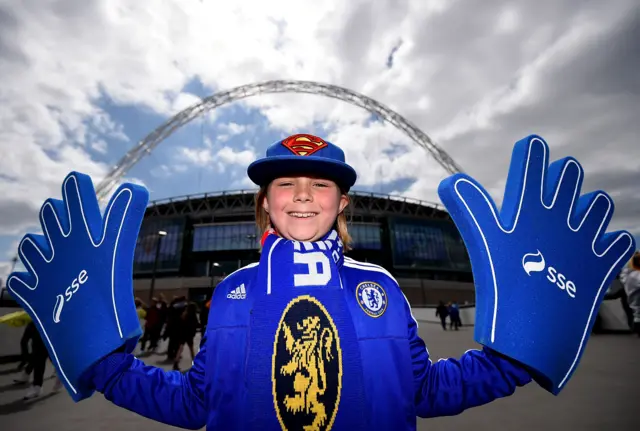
x=188 y=244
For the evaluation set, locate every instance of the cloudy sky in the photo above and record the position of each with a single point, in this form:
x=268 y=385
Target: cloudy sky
x=83 y=80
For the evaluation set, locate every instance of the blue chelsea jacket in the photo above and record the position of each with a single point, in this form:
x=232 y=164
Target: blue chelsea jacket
x=223 y=391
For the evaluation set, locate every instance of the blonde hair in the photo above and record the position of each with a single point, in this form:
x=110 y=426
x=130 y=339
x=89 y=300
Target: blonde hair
x=264 y=222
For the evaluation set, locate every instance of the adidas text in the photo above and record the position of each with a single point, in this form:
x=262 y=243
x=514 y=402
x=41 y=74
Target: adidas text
x=238 y=293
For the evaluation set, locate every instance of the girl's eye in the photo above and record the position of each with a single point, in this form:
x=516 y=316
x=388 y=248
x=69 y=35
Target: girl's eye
x=321 y=185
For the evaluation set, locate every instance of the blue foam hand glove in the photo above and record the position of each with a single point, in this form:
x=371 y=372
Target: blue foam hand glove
x=542 y=264
x=78 y=287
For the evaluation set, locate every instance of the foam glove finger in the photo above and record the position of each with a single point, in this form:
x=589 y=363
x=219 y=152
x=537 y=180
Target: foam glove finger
x=35 y=252
x=475 y=215
x=617 y=249
x=82 y=204
x=564 y=181
x=22 y=286
x=525 y=179
x=124 y=215
x=123 y=218
x=593 y=214
x=54 y=221
x=470 y=207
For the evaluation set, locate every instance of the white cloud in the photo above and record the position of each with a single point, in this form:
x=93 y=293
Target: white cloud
x=233 y=129
x=508 y=20
x=211 y=157
x=104 y=125
x=243 y=183
x=196 y=156
x=100 y=146
x=183 y=101
x=35 y=176
x=522 y=89
x=229 y=130
x=166 y=170
x=230 y=157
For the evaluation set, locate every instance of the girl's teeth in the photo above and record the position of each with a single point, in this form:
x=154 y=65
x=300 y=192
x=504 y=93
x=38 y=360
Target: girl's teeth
x=303 y=215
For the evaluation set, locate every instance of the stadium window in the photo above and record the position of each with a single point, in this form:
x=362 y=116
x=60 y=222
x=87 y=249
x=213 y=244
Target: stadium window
x=457 y=251
x=169 y=255
x=225 y=236
x=200 y=269
x=366 y=236
x=419 y=244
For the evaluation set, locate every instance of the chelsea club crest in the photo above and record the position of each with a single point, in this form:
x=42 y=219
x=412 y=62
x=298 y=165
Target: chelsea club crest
x=372 y=298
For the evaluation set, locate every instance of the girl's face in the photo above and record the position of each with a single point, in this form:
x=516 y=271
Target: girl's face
x=303 y=208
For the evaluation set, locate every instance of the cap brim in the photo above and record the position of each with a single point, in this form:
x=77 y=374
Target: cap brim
x=263 y=171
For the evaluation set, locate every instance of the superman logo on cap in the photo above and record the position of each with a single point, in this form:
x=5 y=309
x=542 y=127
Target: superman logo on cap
x=303 y=145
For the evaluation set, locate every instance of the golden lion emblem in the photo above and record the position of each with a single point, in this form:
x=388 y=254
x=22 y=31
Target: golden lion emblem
x=307 y=379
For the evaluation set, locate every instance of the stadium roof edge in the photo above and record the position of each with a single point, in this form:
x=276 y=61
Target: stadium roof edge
x=181 y=198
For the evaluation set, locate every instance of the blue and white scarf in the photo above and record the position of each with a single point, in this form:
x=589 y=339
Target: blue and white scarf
x=304 y=367
x=293 y=264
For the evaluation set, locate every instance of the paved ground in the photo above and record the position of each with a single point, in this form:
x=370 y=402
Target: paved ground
x=601 y=396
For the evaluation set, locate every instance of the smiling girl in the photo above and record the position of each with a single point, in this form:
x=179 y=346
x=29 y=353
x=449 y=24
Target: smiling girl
x=306 y=338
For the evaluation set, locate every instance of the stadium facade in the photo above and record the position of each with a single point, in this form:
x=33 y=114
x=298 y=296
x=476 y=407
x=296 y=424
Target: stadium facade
x=188 y=244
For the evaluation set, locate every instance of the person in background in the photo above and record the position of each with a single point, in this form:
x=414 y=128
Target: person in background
x=615 y=291
x=174 y=323
x=454 y=315
x=442 y=311
x=164 y=311
x=24 y=348
x=186 y=332
x=204 y=317
x=630 y=278
x=153 y=325
x=204 y=312
x=37 y=364
x=141 y=310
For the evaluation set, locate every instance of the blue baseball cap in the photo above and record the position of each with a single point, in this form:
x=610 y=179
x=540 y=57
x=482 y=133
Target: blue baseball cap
x=303 y=154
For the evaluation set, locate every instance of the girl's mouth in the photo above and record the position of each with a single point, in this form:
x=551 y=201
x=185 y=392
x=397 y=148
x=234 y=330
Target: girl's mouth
x=302 y=214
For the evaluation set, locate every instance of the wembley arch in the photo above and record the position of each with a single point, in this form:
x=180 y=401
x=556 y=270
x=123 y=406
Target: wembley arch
x=153 y=139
